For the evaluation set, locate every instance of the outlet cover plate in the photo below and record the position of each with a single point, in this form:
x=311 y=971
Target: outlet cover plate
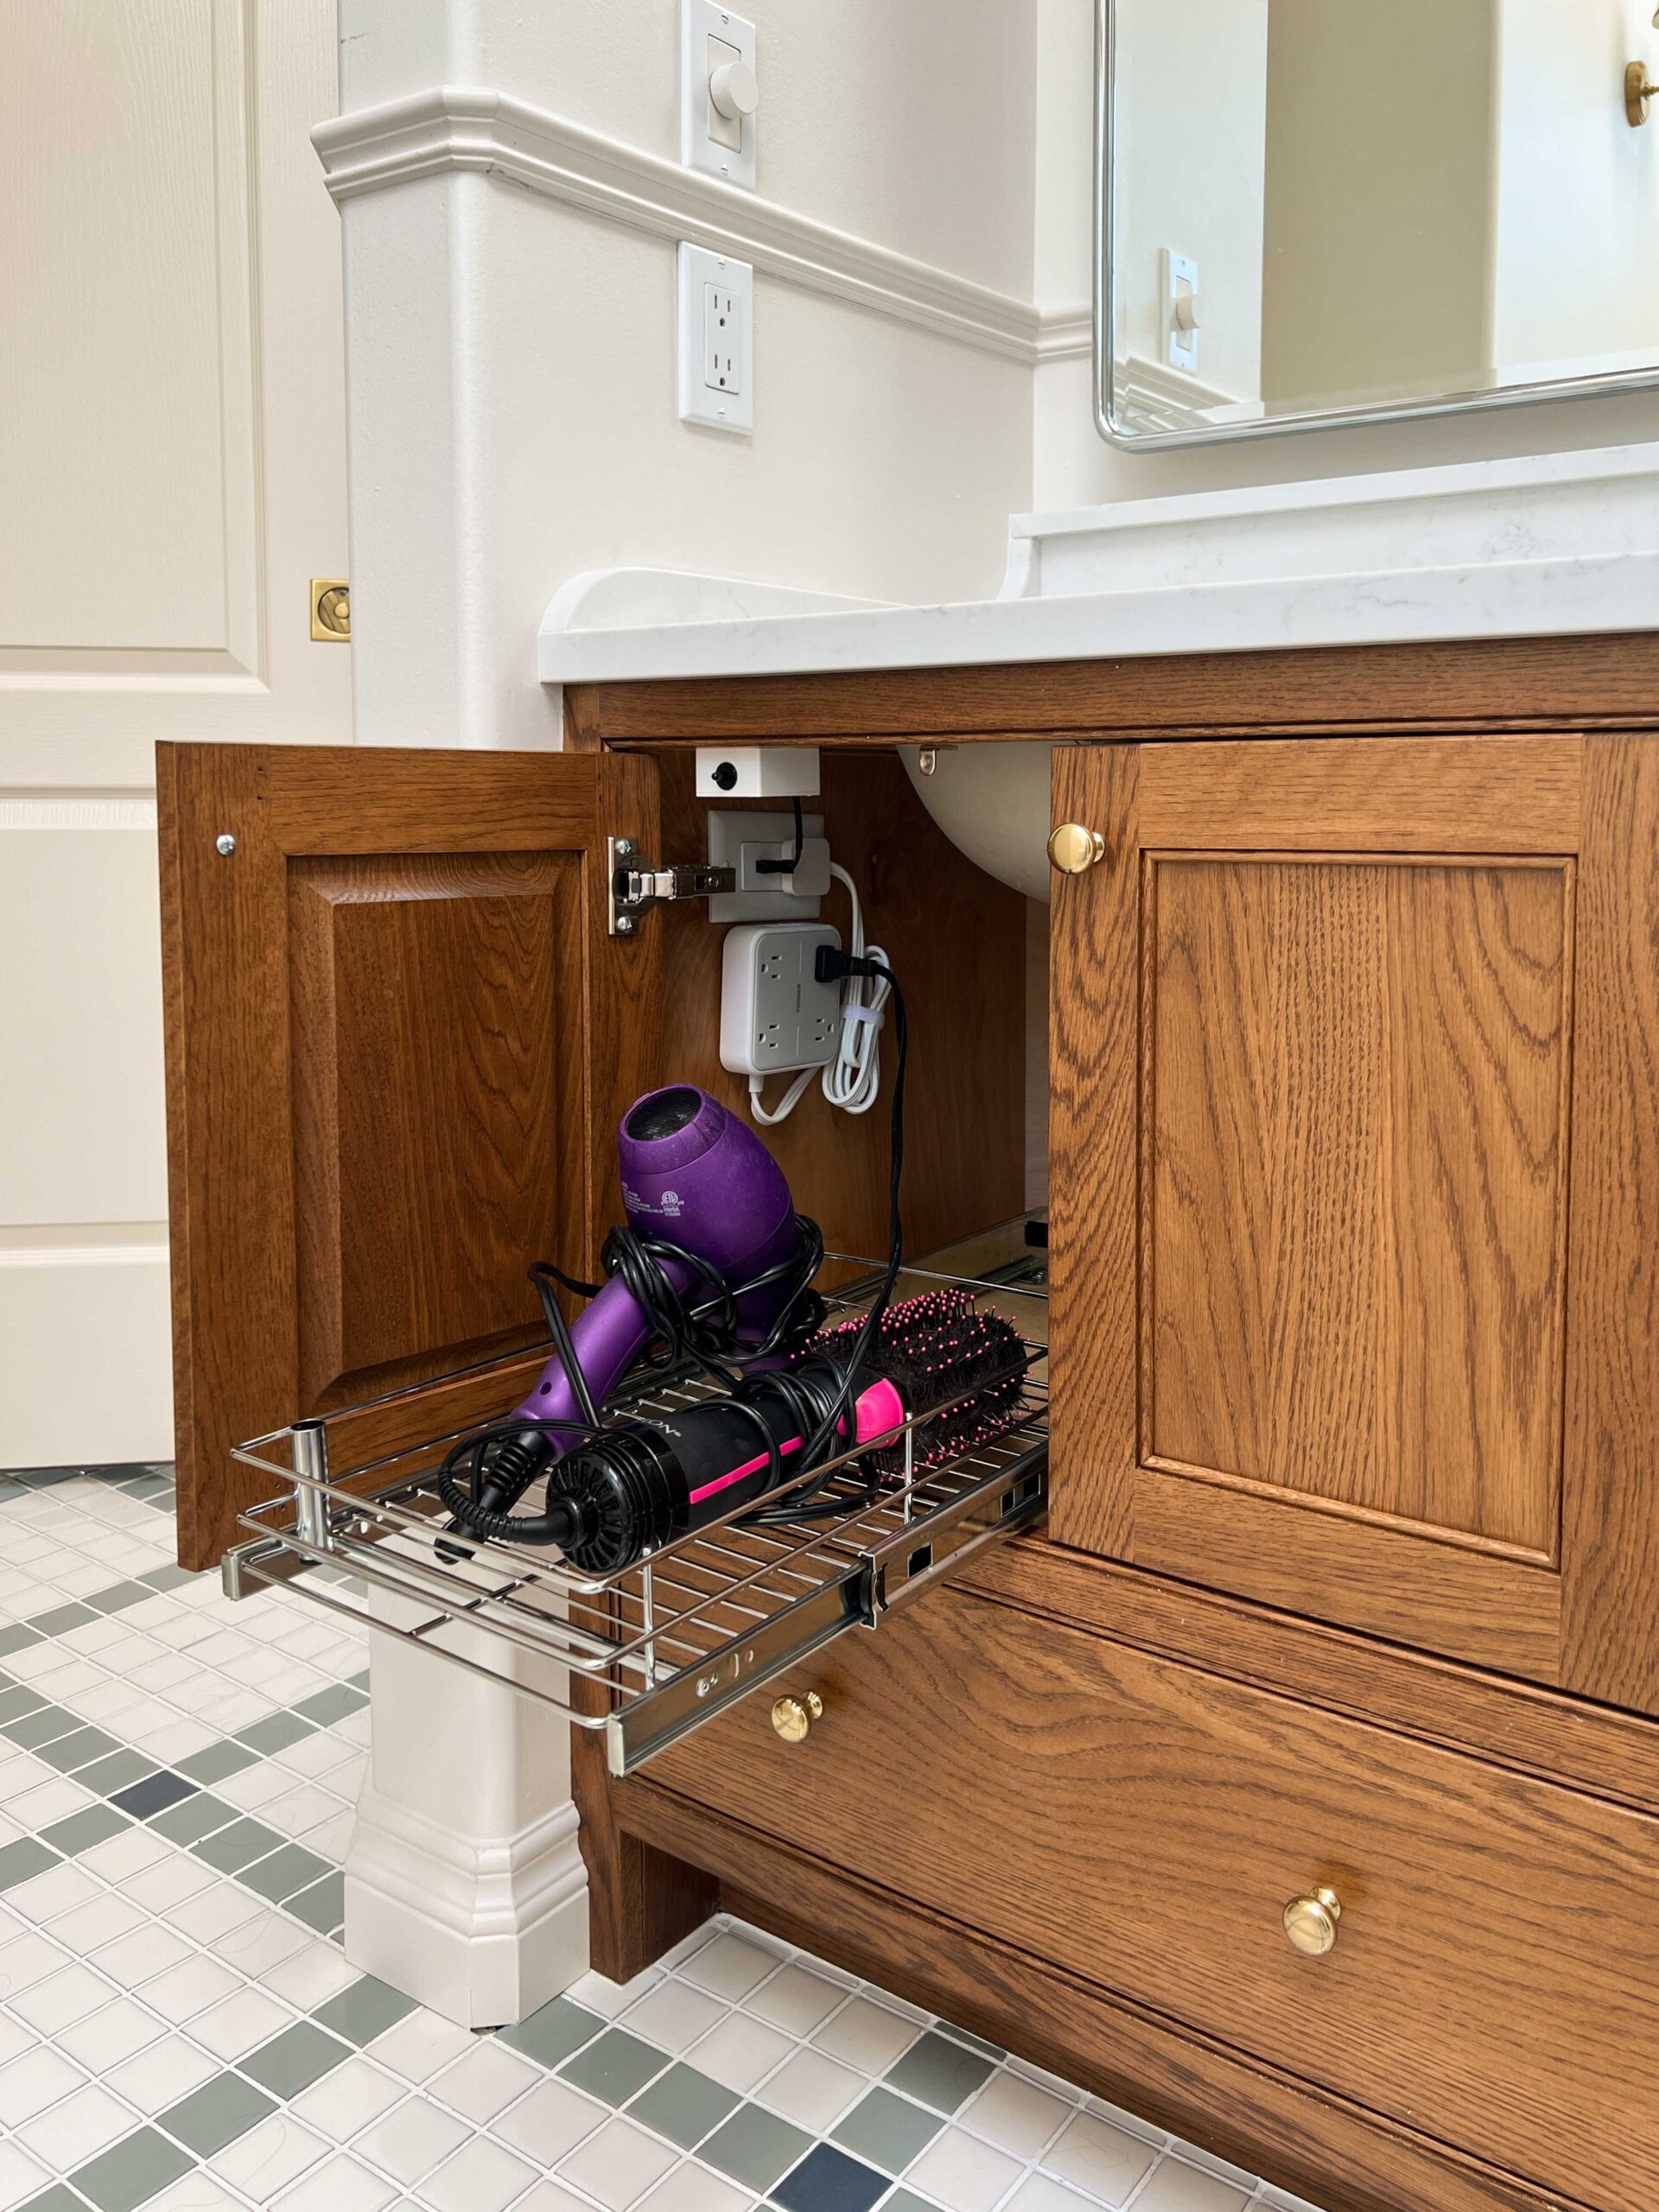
x=736 y=835
x=716 y=340
x=709 y=35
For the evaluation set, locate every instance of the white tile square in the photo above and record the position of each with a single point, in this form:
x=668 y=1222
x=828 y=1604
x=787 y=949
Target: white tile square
x=300 y=1809
x=210 y=1912
x=237 y=2022
x=183 y=1991
x=692 y=2187
x=178 y=1739
x=15 y=2040
x=554 y=2196
x=610 y=1999
x=196 y=2192
x=20 y=2176
x=1104 y=2159
x=60 y=1890
x=345 y=2102
x=27 y=1959
x=619 y=2164
x=100 y=1921
x=1016 y=2115
x=341 y=2184
x=485 y=2082
x=1041 y=2193
x=795 y=1999
x=811 y=2090
x=419 y=2043
x=114 y=2032
x=740 y=2052
x=482 y=2177
x=77 y=2129
x=332 y=1839
x=1177 y=2187
x=255 y=1787
x=169 y=1882
x=411 y=2138
x=672 y=2015
x=548 y=2124
x=63 y=1997
x=38 y=1808
x=311 y=1974
x=161 y=2075
x=868 y=2036
x=255 y=1946
x=125 y=1854
x=316 y=1754
x=962 y=2172
x=32 y=2082
x=730 y=1967
x=132 y=1960
x=269 y=2156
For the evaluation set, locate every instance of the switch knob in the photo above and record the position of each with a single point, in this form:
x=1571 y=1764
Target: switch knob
x=735 y=91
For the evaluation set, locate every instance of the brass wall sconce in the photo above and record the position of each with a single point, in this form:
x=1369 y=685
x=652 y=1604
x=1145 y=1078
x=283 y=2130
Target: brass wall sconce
x=1639 y=88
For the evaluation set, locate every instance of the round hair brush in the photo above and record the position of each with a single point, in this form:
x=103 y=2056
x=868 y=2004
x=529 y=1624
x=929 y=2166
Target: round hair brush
x=932 y=1350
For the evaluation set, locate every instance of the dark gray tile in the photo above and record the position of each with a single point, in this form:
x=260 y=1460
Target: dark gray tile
x=80 y=1748
x=120 y=1772
x=214 y=1761
x=93 y=1824
x=58 y=2198
x=274 y=1733
x=132 y=2171
x=285 y=1872
x=826 y=2180
x=293 y=2060
x=119 y=1596
x=975 y=2043
x=904 y=2200
x=44 y=1726
x=17 y=1639
x=683 y=2104
x=367 y=2009
x=61 y=1619
x=615 y=2066
x=554 y=2033
x=143 y=1799
x=45 y=1477
x=938 y=2072
x=15 y=1701
x=359 y=1681
x=170 y=1577
x=323 y=1906
x=216 y=2114
x=236 y=1846
x=330 y=1705
x=754 y=2147
x=886 y=2130
x=23 y=1860
x=192 y=1818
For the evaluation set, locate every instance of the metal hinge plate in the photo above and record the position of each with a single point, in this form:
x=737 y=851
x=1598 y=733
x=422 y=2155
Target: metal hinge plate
x=636 y=887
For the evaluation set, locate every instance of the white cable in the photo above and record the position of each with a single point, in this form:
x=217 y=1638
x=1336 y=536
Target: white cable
x=853 y=1079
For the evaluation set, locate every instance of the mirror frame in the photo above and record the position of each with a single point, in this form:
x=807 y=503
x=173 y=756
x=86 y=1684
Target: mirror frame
x=1319 y=419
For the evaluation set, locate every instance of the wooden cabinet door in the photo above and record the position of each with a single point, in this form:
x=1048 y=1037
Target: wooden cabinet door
x=399 y=1038
x=1355 y=1175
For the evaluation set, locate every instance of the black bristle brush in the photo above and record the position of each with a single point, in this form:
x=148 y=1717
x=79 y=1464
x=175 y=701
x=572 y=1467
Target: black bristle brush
x=932 y=1350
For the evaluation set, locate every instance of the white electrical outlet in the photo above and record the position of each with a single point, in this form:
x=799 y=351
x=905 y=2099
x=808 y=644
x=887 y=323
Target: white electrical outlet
x=774 y=1014
x=739 y=838
x=716 y=340
x=1180 y=310
x=720 y=92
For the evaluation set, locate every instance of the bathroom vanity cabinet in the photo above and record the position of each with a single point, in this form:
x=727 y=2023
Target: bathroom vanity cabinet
x=1298 y=1786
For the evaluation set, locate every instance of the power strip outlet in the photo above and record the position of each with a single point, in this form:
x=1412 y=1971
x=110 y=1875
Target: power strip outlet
x=774 y=1014
x=740 y=838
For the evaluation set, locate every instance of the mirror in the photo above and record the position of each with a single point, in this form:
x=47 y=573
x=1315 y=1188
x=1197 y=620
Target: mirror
x=1326 y=210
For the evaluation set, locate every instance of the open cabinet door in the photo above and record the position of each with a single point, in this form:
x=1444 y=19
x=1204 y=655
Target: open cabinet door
x=399 y=1038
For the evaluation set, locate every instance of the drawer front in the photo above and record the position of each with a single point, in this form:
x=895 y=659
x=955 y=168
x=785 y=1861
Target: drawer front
x=1495 y=1978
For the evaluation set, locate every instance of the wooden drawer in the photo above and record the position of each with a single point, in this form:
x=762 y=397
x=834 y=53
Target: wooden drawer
x=1495 y=1983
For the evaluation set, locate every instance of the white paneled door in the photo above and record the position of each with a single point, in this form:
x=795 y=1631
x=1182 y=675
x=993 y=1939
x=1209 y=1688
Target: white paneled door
x=171 y=475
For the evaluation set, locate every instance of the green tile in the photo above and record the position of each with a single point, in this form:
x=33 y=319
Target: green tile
x=329 y=1705
x=201 y=1814
x=274 y=1733
x=17 y=1639
x=215 y=1761
x=93 y=1824
x=367 y=2009
x=132 y=2171
x=237 y=1846
x=323 y=1906
x=293 y=2060
x=974 y=2043
x=902 y=2201
x=887 y=2131
x=359 y=1681
x=16 y=1701
x=216 y=2114
x=615 y=2066
x=938 y=2072
x=754 y=2147
x=23 y=1860
x=554 y=2033
x=284 y=1873
x=58 y=2198
x=61 y=1619
x=44 y=1726
x=119 y=1596
x=169 y=1577
x=120 y=1772
x=683 y=2104
x=80 y=1748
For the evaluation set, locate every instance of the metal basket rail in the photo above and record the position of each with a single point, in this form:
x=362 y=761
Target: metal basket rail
x=649 y=1652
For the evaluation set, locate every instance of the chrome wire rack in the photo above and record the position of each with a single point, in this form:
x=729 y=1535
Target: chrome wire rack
x=648 y=1653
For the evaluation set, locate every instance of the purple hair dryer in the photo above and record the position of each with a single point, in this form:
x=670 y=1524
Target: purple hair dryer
x=693 y=1176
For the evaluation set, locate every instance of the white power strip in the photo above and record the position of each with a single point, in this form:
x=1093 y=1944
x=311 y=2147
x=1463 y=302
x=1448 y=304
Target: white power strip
x=774 y=1014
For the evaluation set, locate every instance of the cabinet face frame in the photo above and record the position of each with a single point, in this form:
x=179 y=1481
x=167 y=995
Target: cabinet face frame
x=366 y=976
x=1564 y=1604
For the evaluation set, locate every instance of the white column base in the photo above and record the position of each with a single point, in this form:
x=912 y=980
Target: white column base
x=465 y=1886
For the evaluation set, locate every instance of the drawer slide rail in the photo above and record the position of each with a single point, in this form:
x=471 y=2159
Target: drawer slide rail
x=647 y=1653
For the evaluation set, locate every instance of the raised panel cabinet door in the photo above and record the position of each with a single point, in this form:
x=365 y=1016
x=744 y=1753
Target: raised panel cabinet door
x=399 y=1038
x=1356 y=1103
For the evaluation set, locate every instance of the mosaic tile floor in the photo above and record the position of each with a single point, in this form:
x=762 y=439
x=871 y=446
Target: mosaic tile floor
x=178 y=2028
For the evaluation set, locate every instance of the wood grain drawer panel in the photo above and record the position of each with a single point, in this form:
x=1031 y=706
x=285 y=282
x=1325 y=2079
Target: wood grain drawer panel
x=1496 y=1983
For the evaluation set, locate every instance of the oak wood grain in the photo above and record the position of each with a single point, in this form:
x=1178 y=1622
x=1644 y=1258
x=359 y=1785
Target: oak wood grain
x=1531 y=682
x=1178 y=1813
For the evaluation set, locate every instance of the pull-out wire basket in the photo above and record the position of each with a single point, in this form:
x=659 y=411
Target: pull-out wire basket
x=648 y=1653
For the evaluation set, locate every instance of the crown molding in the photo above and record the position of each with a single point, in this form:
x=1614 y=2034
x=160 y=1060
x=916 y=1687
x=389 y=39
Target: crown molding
x=462 y=127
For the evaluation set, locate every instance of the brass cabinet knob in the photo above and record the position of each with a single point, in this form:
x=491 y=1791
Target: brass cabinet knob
x=792 y=1716
x=1073 y=849
x=1311 y=1923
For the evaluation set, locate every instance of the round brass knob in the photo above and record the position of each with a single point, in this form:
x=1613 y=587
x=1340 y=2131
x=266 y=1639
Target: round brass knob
x=1311 y=1923
x=1073 y=849
x=792 y=1716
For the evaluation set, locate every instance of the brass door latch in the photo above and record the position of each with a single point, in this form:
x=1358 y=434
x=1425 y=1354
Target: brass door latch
x=331 y=610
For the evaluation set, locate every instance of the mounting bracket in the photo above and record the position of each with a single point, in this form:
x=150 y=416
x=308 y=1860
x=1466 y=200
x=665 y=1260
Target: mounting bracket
x=635 y=886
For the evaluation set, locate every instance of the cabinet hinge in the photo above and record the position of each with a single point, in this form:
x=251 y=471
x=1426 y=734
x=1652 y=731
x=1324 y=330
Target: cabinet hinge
x=636 y=887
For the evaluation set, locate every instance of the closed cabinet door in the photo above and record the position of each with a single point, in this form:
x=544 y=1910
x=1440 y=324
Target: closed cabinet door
x=1355 y=1129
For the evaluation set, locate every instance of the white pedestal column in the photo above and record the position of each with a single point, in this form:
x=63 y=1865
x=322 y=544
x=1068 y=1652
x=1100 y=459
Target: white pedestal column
x=465 y=1886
